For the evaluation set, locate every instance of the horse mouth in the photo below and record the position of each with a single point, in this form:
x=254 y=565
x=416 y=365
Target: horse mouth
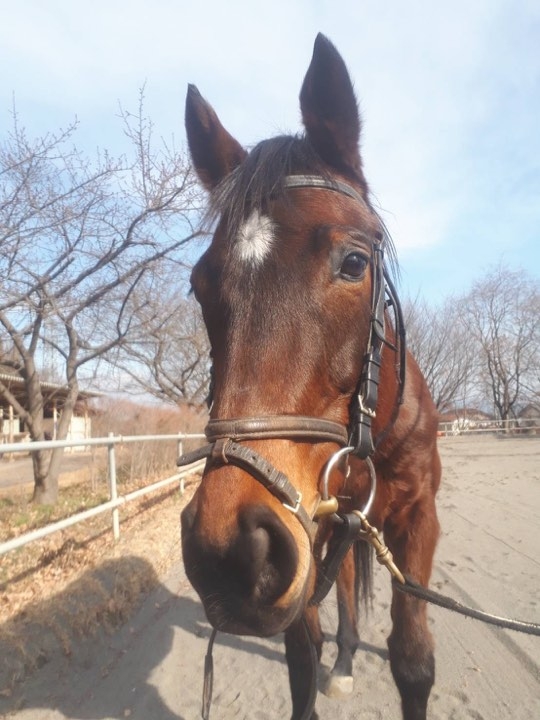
x=238 y=617
x=230 y=609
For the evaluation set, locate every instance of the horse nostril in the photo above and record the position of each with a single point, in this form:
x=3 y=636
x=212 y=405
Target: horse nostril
x=265 y=554
x=260 y=546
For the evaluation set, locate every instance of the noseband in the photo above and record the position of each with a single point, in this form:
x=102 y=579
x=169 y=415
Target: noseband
x=225 y=436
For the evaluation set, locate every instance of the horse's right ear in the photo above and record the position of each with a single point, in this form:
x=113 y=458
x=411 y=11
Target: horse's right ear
x=215 y=153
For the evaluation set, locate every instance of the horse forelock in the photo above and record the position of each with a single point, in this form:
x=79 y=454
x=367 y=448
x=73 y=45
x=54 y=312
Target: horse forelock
x=241 y=200
x=260 y=178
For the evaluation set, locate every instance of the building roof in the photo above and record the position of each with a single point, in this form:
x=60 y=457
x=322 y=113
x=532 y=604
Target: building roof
x=51 y=391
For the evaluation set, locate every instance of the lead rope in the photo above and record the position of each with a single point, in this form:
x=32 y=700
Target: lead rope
x=407 y=585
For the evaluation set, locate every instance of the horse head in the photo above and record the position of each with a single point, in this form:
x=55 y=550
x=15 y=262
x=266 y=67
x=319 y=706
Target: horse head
x=286 y=289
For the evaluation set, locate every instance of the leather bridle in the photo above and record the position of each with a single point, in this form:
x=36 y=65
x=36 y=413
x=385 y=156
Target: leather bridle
x=226 y=436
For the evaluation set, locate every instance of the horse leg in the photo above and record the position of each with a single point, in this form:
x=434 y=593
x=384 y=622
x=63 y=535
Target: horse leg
x=410 y=644
x=303 y=647
x=340 y=681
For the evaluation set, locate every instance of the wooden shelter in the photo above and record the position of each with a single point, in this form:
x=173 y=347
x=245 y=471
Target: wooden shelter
x=12 y=427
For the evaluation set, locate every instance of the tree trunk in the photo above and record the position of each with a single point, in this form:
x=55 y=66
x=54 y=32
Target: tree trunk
x=45 y=484
x=47 y=464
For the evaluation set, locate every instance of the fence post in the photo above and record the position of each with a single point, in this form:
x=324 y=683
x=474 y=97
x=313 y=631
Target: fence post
x=180 y=451
x=113 y=491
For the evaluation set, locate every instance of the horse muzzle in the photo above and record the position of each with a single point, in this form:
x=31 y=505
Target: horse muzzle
x=246 y=535
x=247 y=572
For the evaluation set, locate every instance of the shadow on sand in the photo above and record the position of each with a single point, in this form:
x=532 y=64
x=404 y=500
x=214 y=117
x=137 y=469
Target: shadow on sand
x=64 y=654
x=109 y=647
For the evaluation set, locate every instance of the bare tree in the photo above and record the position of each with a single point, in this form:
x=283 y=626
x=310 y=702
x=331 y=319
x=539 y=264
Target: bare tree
x=169 y=359
x=76 y=239
x=502 y=315
x=439 y=343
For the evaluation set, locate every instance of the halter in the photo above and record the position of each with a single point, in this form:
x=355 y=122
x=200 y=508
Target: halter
x=225 y=436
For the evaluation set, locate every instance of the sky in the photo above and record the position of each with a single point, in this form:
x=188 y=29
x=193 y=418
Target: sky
x=449 y=94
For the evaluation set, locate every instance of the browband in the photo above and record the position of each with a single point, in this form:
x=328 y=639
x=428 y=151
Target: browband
x=311 y=181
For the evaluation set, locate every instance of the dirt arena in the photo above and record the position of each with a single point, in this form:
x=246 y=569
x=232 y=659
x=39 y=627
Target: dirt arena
x=488 y=556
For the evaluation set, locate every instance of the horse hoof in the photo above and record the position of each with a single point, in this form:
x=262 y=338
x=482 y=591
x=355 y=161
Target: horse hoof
x=337 y=686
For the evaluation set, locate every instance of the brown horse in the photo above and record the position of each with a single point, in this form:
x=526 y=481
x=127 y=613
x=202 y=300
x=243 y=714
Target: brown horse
x=290 y=289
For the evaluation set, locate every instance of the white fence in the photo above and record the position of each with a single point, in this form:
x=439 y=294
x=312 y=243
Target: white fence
x=466 y=426
x=115 y=500
x=457 y=427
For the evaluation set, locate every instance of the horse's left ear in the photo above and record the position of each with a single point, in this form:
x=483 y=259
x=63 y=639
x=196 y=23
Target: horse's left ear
x=330 y=111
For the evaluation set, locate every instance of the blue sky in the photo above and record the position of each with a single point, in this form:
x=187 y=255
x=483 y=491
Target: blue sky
x=450 y=95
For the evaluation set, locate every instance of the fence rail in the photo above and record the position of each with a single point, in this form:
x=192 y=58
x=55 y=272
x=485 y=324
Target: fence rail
x=460 y=426
x=466 y=426
x=115 y=500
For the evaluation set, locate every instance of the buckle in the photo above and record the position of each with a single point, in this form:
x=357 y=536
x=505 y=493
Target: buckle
x=365 y=410
x=296 y=507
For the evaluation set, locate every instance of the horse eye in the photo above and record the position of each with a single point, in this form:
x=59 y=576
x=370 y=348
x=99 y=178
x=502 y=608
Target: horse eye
x=353 y=266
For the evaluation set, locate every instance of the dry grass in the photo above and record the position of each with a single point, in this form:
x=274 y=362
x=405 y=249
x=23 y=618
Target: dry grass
x=77 y=582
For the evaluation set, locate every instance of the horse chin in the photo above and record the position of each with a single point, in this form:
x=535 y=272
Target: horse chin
x=246 y=620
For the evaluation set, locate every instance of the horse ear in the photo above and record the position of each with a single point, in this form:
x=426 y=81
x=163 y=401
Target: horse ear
x=330 y=111
x=215 y=153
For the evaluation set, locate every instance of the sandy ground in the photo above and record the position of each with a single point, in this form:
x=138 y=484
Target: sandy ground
x=489 y=507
